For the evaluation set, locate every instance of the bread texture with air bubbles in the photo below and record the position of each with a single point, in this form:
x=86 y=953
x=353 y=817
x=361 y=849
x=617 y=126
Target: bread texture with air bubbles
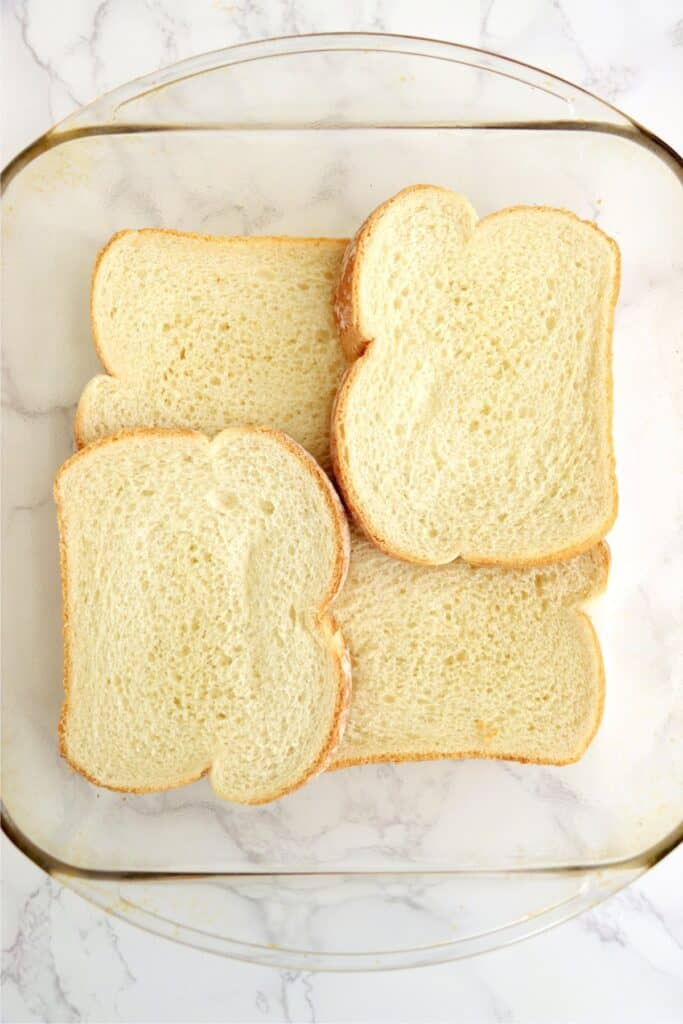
x=461 y=661
x=197 y=581
x=475 y=420
x=206 y=332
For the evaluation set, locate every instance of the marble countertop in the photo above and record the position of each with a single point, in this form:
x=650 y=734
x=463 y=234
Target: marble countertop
x=64 y=960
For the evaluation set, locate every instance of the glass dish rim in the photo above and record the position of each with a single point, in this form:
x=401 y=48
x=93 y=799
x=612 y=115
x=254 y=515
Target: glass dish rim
x=99 y=117
x=69 y=128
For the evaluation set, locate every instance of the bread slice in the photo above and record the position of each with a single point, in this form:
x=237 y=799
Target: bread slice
x=197 y=580
x=476 y=418
x=206 y=332
x=458 y=661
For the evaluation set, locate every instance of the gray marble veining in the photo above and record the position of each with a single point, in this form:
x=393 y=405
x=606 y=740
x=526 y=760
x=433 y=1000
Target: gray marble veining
x=65 y=961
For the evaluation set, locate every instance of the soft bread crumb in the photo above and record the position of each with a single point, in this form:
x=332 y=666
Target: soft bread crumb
x=197 y=577
x=204 y=332
x=458 y=661
x=476 y=420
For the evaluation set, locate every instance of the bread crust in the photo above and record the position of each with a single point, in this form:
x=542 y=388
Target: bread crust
x=358 y=345
x=600 y=584
x=196 y=236
x=325 y=621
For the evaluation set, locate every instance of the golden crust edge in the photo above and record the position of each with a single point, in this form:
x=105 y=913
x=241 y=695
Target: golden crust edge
x=337 y=648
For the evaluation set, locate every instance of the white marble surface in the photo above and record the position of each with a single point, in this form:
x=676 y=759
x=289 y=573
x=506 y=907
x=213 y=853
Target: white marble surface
x=63 y=959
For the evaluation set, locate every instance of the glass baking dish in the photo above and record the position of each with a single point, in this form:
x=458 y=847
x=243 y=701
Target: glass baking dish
x=376 y=866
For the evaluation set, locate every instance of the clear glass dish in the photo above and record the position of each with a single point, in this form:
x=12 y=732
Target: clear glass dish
x=377 y=866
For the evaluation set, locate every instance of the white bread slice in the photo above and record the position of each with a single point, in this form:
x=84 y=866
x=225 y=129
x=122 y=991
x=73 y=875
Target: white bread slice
x=197 y=577
x=476 y=418
x=458 y=661
x=206 y=332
